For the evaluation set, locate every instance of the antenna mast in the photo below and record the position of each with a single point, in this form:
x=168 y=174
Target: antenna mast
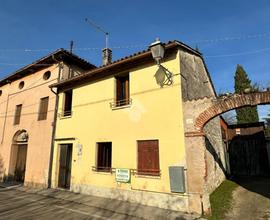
x=99 y=29
x=71 y=46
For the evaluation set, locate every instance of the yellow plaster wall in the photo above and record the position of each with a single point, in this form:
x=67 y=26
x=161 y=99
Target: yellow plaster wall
x=155 y=113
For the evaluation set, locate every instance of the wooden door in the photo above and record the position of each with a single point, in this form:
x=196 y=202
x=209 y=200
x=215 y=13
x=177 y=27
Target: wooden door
x=248 y=155
x=20 y=163
x=65 y=162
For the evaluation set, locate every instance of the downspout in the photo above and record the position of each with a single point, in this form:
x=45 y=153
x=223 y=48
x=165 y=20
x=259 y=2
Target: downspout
x=4 y=127
x=54 y=129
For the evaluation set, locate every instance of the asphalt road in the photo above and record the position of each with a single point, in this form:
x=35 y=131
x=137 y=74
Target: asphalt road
x=53 y=204
x=16 y=204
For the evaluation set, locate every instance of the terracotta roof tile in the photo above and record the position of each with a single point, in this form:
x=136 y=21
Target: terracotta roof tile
x=120 y=61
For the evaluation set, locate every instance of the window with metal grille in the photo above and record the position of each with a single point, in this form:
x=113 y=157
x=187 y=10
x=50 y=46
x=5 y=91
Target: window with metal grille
x=67 y=103
x=43 y=108
x=122 y=90
x=17 y=117
x=148 y=158
x=104 y=156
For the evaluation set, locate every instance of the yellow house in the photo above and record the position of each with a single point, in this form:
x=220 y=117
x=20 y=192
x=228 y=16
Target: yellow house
x=120 y=130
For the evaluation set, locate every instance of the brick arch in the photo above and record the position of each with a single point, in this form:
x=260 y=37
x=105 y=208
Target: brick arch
x=235 y=101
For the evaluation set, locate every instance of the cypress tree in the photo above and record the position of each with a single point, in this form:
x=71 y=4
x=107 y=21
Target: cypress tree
x=242 y=83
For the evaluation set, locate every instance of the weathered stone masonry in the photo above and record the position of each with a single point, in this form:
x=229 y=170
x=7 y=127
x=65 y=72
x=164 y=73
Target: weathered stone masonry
x=205 y=153
x=203 y=148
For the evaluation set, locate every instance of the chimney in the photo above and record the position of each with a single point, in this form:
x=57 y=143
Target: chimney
x=106 y=56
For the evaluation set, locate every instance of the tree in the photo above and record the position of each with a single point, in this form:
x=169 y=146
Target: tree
x=267 y=123
x=242 y=84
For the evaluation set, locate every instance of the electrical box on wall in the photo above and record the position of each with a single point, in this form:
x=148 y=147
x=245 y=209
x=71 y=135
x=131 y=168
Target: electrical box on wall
x=177 y=179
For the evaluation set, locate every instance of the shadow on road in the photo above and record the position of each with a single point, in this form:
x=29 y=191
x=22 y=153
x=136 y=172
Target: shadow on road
x=259 y=185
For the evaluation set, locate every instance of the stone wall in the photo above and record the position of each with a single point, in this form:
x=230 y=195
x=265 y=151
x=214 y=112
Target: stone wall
x=215 y=157
x=204 y=148
x=176 y=202
x=69 y=71
x=195 y=82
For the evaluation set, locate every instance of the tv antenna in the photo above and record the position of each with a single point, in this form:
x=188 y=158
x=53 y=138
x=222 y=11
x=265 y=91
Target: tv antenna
x=93 y=24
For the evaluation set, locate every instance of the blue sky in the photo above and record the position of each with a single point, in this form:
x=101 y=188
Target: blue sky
x=226 y=32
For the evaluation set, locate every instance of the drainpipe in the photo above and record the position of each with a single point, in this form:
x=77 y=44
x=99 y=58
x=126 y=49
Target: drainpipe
x=4 y=127
x=53 y=130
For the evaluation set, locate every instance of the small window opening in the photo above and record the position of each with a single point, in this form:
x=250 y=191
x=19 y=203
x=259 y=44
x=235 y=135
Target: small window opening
x=122 y=90
x=21 y=84
x=67 y=103
x=47 y=75
x=104 y=156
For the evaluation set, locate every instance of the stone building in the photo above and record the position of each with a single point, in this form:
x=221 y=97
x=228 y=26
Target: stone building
x=28 y=112
x=126 y=131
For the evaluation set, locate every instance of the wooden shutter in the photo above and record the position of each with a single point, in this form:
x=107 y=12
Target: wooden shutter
x=127 y=89
x=104 y=158
x=17 y=114
x=43 y=108
x=122 y=90
x=148 y=157
x=100 y=155
x=118 y=91
x=68 y=103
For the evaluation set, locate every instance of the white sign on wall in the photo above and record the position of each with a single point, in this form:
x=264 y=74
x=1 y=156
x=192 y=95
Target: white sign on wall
x=122 y=175
x=79 y=149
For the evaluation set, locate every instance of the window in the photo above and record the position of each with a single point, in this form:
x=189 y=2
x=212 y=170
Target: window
x=17 y=117
x=104 y=156
x=47 y=75
x=21 y=85
x=122 y=90
x=43 y=108
x=148 y=158
x=67 y=103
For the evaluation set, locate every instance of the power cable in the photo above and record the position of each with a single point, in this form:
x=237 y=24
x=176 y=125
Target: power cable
x=232 y=38
x=214 y=40
x=239 y=54
x=13 y=95
x=27 y=106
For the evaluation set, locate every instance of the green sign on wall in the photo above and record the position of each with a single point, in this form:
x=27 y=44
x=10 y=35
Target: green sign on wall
x=122 y=175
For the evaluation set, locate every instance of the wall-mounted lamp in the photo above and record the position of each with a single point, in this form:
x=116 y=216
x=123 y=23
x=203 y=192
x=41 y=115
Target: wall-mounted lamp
x=157 y=50
x=163 y=75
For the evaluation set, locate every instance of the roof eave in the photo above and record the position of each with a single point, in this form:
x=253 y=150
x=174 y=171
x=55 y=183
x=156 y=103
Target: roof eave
x=131 y=58
x=16 y=75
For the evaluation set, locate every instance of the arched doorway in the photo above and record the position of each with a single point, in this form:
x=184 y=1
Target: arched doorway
x=18 y=155
x=246 y=150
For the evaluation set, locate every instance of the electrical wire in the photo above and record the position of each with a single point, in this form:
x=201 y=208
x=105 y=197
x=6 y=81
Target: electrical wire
x=232 y=38
x=75 y=49
x=239 y=54
x=30 y=86
x=26 y=106
x=214 y=40
x=23 y=64
x=24 y=114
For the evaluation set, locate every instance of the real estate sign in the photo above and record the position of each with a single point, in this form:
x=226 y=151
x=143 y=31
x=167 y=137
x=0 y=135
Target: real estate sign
x=122 y=175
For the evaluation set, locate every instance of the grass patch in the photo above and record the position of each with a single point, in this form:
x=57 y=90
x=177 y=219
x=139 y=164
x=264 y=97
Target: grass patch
x=221 y=199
